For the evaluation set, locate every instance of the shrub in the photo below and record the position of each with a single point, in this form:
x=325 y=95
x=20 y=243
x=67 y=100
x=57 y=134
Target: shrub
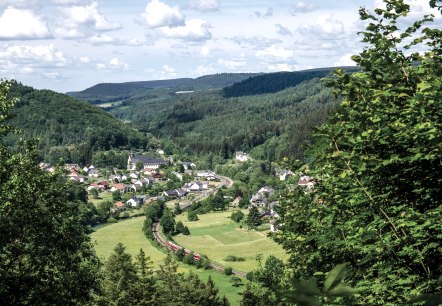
x=112 y=220
x=192 y=216
x=228 y=271
x=237 y=216
x=188 y=259
x=234 y=258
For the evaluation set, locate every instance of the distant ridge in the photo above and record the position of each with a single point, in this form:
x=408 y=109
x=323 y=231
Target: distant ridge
x=277 y=81
x=130 y=88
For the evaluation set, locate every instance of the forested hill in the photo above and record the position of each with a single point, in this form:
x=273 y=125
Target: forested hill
x=117 y=91
x=67 y=127
x=271 y=125
x=274 y=82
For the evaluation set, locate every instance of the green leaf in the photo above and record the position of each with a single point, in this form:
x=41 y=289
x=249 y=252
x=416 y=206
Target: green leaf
x=335 y=276
x=343 y=290
x=307 y=287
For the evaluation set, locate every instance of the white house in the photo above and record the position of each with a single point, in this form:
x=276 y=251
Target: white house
x=196 y=186
x=241 y=156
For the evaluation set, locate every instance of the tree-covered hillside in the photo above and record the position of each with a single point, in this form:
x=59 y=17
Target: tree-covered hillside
x=68 y=128
x=208 y=122
x=274 y=82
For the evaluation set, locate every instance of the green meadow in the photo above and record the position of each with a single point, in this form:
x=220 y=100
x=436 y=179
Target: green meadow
x=217 y=236
x=130 y=234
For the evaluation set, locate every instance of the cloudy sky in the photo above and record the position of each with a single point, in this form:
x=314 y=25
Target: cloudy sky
x=69 y=45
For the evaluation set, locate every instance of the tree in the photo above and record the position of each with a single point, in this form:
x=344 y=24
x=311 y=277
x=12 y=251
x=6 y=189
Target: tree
x=253 y=218
x=139 y=166
x=116 y=195
x=120 y=277
x=167 y=222
x=237 y=216
x=94 y=193
x=377 y=200
x=46 y=255
x=192 y=216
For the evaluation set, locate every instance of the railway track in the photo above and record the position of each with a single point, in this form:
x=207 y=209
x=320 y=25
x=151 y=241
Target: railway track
x=164 y=243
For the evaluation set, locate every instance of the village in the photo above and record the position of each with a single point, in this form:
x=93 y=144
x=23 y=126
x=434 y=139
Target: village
x=147 y=179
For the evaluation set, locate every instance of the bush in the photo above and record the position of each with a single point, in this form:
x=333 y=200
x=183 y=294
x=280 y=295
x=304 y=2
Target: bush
x=186 y=231
x=228 y=271
x=237 y=216
x=180 y=254
x=234 y=258
x=192 y=216
x=188 y=259
x=112 y=220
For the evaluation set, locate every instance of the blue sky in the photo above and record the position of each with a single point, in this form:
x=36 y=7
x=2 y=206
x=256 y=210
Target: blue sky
x=69 y=45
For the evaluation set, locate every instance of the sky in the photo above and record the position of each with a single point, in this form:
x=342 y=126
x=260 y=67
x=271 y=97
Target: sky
x=70 y=45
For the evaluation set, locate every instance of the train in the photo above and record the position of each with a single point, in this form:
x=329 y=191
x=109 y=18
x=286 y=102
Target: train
x=173 y=247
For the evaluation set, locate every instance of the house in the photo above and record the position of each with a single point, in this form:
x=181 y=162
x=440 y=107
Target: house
x=241 y=156
x=158 y=176
x=235 y=203
x=260 y=198
x=115 y=178
x=72 y=167
x=133 y=175
x=92 y=172
x=120 y=206
x=137 y=201
x=188 y=165
x=306 y=181
x=175 y=193
x=147 y=161
x=273 y=226
x=196 y=186
x=284 y=174
x=103 y=185
x=257 y=200
x=79 y=178
x=207 y=174
x=121 y=188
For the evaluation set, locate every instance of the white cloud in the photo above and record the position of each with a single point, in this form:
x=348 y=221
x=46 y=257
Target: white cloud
x=22 y=24
x=282 y=30
x=345 y=60
x=85 y=59
x=115 y=63
x=193 y=30
x=281 y=67
x=325 y=27
x=273 y=52
x=168 y=72
x=233 y=64
x=205 y=51
x=157 y=14
x=36 y=61
x=255 y=42
x=204 y=5
x=302 y=7
x=82 y=21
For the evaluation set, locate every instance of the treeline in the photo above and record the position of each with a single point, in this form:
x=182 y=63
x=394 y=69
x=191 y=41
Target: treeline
x=274 y=82
x=66 y=128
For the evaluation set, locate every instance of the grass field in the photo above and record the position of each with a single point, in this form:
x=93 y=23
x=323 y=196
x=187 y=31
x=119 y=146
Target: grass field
x=129 y=233
x=103 y=196
x=217 y=236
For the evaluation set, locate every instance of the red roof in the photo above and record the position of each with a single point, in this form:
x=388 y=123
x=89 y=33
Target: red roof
x=119 y=204
x=119 y=186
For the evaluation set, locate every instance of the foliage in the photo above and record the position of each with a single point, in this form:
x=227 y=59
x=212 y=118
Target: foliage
x=274 y=82
x=377 y=200
x=68 y=129
x=228 y=271
x=234 y=258
x=192 y=216
x=253 y=218
x=237 y=216
x=46 y=255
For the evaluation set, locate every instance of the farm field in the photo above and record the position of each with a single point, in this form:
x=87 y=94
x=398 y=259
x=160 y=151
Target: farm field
x=129 y=233
x=217 y=236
